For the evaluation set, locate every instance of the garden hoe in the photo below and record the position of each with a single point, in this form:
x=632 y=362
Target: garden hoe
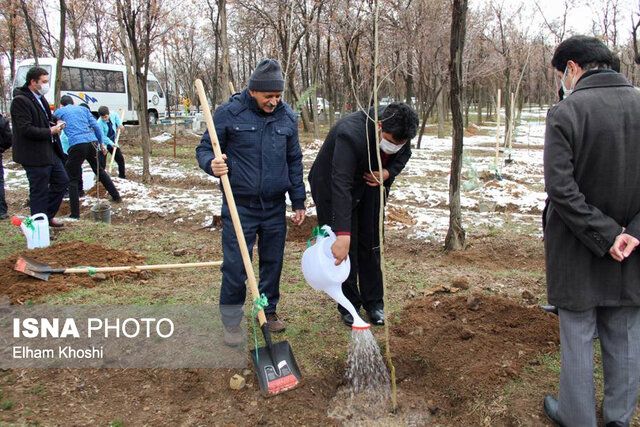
x=42 y=271
x=275 y=365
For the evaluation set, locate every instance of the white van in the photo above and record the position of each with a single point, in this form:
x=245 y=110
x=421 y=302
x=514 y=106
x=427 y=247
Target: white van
x=97 y=84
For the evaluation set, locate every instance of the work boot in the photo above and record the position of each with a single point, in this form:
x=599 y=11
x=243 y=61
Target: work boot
x=233 y=336
x=274 y=323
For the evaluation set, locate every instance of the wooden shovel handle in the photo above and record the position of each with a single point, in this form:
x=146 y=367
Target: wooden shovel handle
x=226 y=185
x=134 y=268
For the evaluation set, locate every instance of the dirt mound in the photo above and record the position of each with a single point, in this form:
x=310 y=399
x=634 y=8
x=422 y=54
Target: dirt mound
x=20 y=287
x=451 y=351
x=303 y=232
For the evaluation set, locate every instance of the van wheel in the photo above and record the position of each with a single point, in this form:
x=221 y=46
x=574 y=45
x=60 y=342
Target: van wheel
x=153 y=117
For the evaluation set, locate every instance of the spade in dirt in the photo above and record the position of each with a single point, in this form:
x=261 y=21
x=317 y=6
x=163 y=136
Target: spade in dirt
x=274 y=363
x=42 y=271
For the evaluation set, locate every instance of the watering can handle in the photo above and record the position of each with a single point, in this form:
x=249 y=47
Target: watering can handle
x=40 y=215
x=330 y=232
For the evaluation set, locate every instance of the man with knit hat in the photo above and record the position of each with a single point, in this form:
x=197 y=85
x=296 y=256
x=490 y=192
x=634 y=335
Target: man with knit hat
x=258 y=134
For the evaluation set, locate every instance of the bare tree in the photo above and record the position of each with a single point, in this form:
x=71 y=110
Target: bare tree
x=455 y=238
x=29 y=24
x=139 y=22
x=60 y=58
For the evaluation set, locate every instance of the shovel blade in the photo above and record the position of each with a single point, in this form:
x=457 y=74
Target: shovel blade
x=33 y=268
x=279 y=375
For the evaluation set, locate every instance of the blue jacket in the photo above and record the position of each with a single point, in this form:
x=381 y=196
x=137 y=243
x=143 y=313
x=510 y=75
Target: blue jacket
x=263 y=152
x=115 y=121
x=79 y=123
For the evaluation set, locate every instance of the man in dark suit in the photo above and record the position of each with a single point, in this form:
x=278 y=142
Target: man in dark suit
x=36 y=145
x=344 y=183
x=591 y=230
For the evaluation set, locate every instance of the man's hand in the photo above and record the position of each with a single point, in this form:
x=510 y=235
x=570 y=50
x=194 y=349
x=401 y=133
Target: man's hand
x=372 y=179
x=298 y=216
x=623 y=246
x=104 y=149
x=55 y=130
x=340 y=249
x=219 y=167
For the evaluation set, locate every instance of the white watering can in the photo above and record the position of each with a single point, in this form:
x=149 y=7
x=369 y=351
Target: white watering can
x=322 y=274
x=35 y=229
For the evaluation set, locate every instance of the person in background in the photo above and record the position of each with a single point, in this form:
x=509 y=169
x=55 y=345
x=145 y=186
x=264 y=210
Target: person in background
x=110 y=123
x=591 y=231
x=345 y=183
x=5 y=144
x=258 y=135
x=36 y=145
x=85 y=137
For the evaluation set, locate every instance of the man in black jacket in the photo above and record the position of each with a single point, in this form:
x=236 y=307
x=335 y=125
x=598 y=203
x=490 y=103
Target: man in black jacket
x=591 y=232
x=5 y=144
x=344 y=185
x=36 y=145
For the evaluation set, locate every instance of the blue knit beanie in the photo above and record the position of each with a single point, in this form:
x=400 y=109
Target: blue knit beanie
x=267 y=77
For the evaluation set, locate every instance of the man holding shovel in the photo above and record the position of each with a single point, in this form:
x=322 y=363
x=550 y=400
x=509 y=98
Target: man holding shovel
x=110 y=123
x=344 y=183
x=258 y=135
x=84 y=136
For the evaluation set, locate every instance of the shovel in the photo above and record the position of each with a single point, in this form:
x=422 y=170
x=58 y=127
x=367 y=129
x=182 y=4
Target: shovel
x=275 y=365
x=42 y=271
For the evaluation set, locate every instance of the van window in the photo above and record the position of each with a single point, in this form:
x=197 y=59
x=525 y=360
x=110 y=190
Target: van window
x=21 y=74
x=153 y=86
x=70 y=79
x=115 y=81
x=93 y=80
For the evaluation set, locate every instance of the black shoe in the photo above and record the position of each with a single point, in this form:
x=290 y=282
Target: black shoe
x=116 y=199
x=376 y=316
x=550 y=309
x=347 y=318
x=550 y=407
x=4 y=216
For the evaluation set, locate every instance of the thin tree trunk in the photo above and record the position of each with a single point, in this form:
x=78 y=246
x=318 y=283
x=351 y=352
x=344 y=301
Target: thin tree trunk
x=425 y=115
x=224 y=46
x=455 y=239
x=63 y=14
x=27 y=21
x=440 y=105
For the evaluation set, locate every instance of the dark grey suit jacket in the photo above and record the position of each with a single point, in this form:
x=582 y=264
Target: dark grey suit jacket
x=592 y=179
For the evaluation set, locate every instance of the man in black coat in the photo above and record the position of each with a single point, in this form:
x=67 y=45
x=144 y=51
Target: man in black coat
x=344 y=185
x=5 y=144
x=591 y=231
x=36 y=145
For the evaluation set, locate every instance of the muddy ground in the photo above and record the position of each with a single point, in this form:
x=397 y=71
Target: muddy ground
x=469 y=343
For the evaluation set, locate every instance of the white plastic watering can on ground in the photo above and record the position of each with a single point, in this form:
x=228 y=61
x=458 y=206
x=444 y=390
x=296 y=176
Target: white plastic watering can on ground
x=321 y=273
x=37 y=233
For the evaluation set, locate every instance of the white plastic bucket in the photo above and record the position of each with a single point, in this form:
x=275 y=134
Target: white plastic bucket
x=38 y=236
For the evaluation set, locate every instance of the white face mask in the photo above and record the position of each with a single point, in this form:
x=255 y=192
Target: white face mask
x=566 y=91
x=389 y=147
x=44 y=89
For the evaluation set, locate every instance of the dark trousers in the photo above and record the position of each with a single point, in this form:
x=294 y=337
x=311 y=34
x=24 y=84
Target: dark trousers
x=3 y=202
x=119 y=159
x=78 y=153
x=47 y=185
x=270 y=225
x=364 y=251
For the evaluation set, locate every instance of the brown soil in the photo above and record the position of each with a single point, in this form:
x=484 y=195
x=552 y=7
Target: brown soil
x=452 y=351
x=21 y=288
x=449 y=353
